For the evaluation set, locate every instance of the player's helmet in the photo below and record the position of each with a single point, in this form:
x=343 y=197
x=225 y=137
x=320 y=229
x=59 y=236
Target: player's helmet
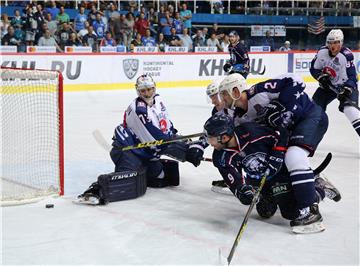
x=145 y=82
x=213 y=87
x=218 y=125
x=335 y=35
x=232 y=81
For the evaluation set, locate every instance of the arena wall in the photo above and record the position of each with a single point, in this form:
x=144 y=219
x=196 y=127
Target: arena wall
x=114 y=71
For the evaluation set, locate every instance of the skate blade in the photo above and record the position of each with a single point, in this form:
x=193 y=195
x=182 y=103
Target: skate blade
x=309 y=229
x=86 y=201
x=221 y=190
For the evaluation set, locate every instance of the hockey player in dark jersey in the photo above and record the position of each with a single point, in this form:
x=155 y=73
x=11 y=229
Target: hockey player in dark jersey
x=258 y=150
x=333 y=66
x=282 y=102
x=145 y=120
x=239 y=59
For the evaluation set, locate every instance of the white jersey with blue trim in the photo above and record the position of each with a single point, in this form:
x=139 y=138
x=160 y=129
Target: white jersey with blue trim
x=149 y=123
x=287 y=88
x=340 y=67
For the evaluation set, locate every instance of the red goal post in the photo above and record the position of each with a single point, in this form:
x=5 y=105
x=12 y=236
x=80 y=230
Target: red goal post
x=31 y=136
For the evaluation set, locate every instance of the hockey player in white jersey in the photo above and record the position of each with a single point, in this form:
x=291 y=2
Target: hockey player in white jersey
x=333 y=66
x=282 y=102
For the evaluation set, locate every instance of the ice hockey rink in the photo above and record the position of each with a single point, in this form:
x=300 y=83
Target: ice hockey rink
x=185 y=225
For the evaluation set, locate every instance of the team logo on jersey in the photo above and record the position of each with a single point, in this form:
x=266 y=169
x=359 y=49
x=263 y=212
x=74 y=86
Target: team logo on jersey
x=130 y=67
x=254 y=163
x=336 y=61
x=163 y=125
x=329 y=71
x=162 y=107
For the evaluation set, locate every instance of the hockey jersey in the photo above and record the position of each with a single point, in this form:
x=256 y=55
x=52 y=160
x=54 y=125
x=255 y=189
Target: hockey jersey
x=341 y=67
x=239 y=55
x=288 y=89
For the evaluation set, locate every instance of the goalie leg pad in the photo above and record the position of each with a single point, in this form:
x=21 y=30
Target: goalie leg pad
x=171 y=171
x=122 y=185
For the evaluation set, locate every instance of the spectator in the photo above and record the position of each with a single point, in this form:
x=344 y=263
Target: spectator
x=136 y=42
x=141 y=25
x=178 y=24
x=99 y=26
x=162 y=43
x=128 y=29
x=215 y=29
x=186 y=16
x=39 y=16
x=17 y=21
x=52 y=24
x=48 y=40
x=358 y=45
x=162 y=13
x=205 y=34
x=84 y=31
x=74 y=40
x=112 y=15
x=10 y=38
x=174 y=40
x=198 y=40
x=166 y=23
x=91 y=17
x=186 y=39
x=108 y=40
x=225 y=43
x=64 y=35
x=30 y=26
x=90 y=39
x=62 y=17
x=117 y=28
x=53 y=10
x=286 y=47
x=268 y=41
x=80 y=19
x=213 y=42
x=5 y=23
x=41 y=32
x=147 y=40
x=218 y=6
x=153 y=19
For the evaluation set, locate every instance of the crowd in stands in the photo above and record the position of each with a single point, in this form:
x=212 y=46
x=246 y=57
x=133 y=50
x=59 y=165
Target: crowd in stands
x=96 y=24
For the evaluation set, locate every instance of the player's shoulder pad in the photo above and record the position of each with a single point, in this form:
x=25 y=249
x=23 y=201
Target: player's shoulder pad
x=141 y=106
x=347 y=53
x=221 y=158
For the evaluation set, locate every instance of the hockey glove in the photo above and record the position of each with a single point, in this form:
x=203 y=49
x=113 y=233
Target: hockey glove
x=345 y=92
x=276 y=115
x=227 y=67
x=245 y=194
x=176 y=150
x=324 y=80
x=195 y=154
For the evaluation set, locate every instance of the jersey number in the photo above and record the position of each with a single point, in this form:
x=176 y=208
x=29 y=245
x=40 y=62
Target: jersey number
x=270 y=85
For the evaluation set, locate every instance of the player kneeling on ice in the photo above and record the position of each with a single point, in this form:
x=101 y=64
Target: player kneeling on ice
x=333 y=66
x=146 y=120
x=260 y=150
x=282 y=102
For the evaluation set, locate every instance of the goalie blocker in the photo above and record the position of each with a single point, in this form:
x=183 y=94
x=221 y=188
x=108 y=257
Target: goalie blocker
x=127 y=185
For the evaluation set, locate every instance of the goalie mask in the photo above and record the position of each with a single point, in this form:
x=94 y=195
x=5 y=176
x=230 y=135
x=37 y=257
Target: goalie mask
x=146 y=88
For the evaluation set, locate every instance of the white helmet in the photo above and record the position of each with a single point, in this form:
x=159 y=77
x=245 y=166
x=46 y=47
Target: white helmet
x=232 y=81
x=145 y=81
x=213 y=87
x=335 y=35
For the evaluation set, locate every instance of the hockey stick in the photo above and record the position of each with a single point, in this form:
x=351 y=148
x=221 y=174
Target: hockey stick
x=348 y=101
x=106 y=146
x=316 y=171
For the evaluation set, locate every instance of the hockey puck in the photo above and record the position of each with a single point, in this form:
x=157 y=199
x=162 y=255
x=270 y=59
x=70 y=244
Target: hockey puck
x=48 y=206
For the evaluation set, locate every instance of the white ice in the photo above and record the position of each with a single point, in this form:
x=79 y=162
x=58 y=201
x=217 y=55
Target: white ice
x=184 y=225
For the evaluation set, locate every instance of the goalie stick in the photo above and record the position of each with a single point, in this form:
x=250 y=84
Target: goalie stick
x=106 y=146
x=316 y=171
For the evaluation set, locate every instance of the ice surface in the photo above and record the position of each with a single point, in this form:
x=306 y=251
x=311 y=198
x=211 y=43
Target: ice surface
x=185 y=225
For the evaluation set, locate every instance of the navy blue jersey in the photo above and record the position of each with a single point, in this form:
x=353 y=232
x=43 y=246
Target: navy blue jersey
x=239 y=55
x=288 y=89
x=340 y=67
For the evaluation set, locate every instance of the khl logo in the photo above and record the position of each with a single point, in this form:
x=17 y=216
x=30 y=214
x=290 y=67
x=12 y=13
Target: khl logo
x=130 y=67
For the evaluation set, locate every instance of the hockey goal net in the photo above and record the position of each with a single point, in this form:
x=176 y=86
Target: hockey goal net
x=31 y=136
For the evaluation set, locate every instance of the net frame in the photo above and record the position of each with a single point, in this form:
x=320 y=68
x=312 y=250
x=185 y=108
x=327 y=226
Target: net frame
x=27 y=74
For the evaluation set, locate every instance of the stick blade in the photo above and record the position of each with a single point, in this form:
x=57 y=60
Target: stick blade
x=222 y=260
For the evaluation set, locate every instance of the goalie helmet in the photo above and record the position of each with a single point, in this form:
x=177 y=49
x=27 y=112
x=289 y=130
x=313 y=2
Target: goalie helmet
x=232 y=81
x=144 y=82
x=335 y=35
x=218 y=125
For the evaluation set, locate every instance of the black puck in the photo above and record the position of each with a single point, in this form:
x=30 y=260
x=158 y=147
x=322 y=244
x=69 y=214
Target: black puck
x=49 y=206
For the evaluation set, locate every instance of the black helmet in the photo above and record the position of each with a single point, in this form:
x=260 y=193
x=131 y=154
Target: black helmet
x=218 y=125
